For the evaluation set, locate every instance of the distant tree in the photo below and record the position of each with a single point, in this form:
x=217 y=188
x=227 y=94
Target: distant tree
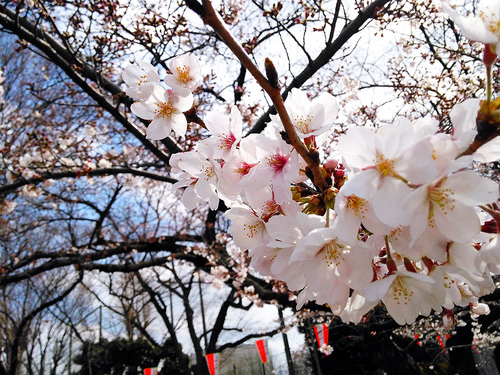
x=118 y=355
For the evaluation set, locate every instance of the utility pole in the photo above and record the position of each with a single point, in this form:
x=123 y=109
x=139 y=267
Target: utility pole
x=70 y=349
x=202 y=311
x=100 y=323
x=289 y=360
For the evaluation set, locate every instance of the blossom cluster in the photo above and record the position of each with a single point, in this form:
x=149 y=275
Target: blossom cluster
x=164 y=106
x=404 y=220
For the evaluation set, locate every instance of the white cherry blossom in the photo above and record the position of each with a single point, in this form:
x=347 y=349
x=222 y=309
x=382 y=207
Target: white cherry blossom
x=310 y=117
x=185 y=71
x=201 y=175
x=406 y=295
x=141 y=80
x=331 y=265
x=380 y=165
x=165 y=108
x=448 y=204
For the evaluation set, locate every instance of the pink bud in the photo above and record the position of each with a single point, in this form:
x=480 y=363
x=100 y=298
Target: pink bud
x=449 y=320
x=330 y=165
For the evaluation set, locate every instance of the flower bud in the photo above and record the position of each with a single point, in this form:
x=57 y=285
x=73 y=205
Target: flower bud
x=272 y=74
x=479 y=308
x=449 y=321
x=329 y=196
x=331 y=165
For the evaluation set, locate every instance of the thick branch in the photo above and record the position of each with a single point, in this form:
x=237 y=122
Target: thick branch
x=246 y=338
x=93 y=260
x=75 y=174
x=212 y=18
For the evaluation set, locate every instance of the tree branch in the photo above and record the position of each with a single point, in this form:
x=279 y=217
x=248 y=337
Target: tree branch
x=75 y=174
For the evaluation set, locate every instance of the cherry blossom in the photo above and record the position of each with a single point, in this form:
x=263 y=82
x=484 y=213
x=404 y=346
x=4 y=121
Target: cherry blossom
x=397 y=224
x=226 y=133
x=284 y=232
x=201 y=175
x=165 y=108
x=379 y=162
x=236 y=169
x=406 y=295
x=352 y=211
x=185 y=71
x=332 y=266
x=141 y=80
x=279 y=167
x=248 y=220
x=448 y=204
x=310 y=118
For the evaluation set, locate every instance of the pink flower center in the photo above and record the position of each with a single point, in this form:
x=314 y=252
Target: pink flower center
x=226 y=142
x=269 y=209
x=278 y=162
x=244 y=169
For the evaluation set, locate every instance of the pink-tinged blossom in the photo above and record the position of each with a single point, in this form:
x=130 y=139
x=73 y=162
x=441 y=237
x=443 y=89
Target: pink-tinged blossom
x=484 y=28
x=247 y=229
x=449 y=320
x=236 y=169
x=185 y=71
x=248 y=220
x=448 y=205
x=165 y=108
x=310 y=117
x=140 y=79
x=279 y=168
x=225 y=132
x=479 y=308
x=6 y=207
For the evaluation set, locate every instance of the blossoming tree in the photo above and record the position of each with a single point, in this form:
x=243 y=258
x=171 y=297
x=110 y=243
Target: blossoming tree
x=345 y=217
